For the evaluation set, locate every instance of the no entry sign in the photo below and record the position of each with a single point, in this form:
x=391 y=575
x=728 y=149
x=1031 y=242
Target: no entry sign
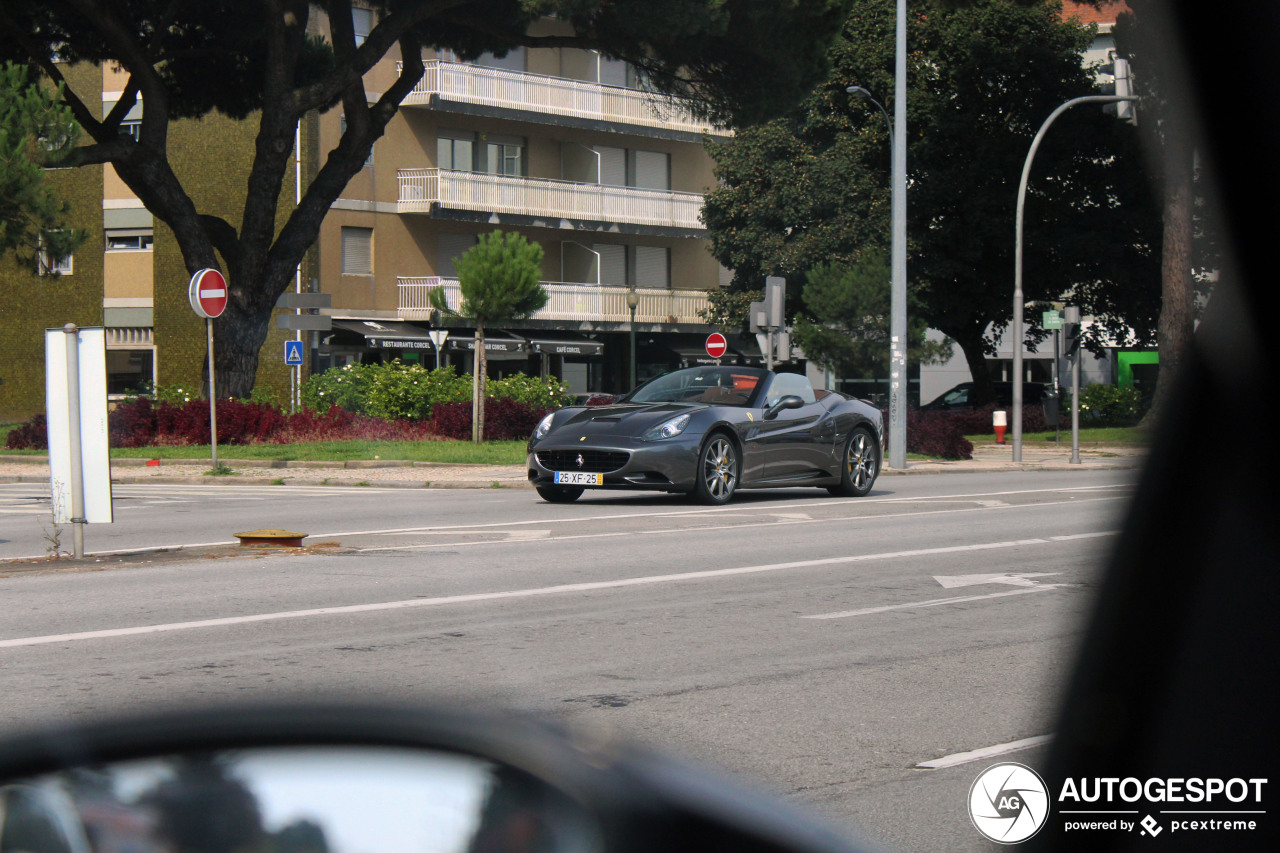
x=716 y=345
x=208 y=294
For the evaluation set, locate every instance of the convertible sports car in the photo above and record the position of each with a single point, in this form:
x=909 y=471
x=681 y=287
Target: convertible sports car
x=707 y=432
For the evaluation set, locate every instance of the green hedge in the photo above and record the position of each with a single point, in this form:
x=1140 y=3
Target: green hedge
x=398 y=391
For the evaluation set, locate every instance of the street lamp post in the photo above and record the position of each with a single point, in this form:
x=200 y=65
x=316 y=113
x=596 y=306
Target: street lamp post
x=633 y=299
x=1018 y=300
x=898 y=284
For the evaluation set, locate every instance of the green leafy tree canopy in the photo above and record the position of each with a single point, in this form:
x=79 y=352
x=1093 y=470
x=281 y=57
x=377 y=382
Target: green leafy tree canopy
x=276 y=61
x=36 y=132
x=812 y=187
x=498 y=277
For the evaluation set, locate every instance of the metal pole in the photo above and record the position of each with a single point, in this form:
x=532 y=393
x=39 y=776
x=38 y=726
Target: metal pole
x=1057 y=388
x=213 y=398
x=633 y=348
x=73 y=415
x=1016 y=327
x=1071 y=314
x=898 y=287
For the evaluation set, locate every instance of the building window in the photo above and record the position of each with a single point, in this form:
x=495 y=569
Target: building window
x=130 y=371
x=634 y=266
x=48 y=264
x=625 y=167
x=129 y=240
x=451 y=247
x=131 y=128
x=460 y=151
x=362 y=23
x=357 y=251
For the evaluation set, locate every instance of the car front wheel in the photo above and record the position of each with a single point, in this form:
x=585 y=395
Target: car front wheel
x=861 y=465
x=717 y=477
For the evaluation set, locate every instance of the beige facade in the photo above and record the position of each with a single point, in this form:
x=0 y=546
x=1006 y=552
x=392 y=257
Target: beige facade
x=563 y=146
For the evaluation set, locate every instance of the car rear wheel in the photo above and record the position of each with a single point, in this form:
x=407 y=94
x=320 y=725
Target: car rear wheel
x=559 y=494
x=717 y=477
x=861 y=465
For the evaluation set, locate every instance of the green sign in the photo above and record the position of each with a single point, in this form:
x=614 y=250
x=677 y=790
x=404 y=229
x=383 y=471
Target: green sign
x=1051 y=320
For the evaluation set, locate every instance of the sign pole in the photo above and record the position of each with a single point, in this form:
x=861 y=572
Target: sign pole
x=77 y=464
x=213 y=398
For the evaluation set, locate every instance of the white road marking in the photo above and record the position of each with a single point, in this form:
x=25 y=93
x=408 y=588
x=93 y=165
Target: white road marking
x=1014 y=579
x=933 y=602
x=984 y=752
x=559 y=589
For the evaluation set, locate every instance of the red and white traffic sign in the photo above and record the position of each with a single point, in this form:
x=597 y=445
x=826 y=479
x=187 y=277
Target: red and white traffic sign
x=716 y=345
x=208 y=293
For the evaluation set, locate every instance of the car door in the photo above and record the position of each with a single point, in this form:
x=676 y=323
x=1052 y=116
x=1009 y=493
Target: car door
x=797 y=443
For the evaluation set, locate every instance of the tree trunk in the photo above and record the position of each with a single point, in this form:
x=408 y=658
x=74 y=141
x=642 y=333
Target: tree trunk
x=1177 y=292
x=975 y=356
x=479 y=365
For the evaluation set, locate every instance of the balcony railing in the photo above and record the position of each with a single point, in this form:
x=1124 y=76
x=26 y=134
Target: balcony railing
x=517 y=90
x=601 y=303
x=421 y=190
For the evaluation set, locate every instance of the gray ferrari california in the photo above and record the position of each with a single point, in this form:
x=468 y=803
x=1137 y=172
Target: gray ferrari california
x=707 y=432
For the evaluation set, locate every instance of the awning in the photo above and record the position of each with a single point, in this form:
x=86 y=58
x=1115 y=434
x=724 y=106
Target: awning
x=566 y=346
x=496 y=342
x=388 y=334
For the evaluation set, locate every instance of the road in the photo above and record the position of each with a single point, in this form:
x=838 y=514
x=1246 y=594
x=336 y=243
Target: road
x=821 y=647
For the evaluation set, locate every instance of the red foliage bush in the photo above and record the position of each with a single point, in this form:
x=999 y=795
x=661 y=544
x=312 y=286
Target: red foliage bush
x=503 y=420
x=978 y=421
x=937 y=434
x=132 y=424
x=33 y=435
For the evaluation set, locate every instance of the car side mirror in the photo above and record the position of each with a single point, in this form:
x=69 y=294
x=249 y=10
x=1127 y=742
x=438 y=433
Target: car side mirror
x=791 y=401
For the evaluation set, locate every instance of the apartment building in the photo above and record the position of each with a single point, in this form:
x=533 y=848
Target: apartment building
x=561 y=145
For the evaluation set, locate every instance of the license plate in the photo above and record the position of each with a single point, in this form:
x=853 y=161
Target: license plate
x=579 y=478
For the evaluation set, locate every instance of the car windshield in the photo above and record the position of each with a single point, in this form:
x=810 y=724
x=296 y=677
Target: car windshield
x=722 y=386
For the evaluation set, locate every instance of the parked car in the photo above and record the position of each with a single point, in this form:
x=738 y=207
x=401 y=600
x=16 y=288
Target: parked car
x=708 y=431
x=961 y=396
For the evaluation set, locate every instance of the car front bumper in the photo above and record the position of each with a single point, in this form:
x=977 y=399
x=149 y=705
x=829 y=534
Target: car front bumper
x=667 y=465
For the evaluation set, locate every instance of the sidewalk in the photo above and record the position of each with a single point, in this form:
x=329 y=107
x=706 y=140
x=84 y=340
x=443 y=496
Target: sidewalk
x=435 y=475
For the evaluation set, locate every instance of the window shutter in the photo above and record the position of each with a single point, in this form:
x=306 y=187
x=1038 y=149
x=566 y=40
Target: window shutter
x=653 y=170
x=357 y=251
x=651 y=267
x=613 y=166
x=613 y=263
x=452 y=246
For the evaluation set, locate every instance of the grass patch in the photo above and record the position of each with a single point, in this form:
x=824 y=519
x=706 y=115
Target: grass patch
x=1118 y=436
x=488 y=453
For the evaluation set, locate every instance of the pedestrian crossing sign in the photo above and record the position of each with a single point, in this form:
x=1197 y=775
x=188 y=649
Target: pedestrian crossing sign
x=293 y=353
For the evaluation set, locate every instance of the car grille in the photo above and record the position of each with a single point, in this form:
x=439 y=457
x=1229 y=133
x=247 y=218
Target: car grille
x=599 y=461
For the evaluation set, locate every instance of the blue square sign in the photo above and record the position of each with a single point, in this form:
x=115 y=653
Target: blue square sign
x=293 y=352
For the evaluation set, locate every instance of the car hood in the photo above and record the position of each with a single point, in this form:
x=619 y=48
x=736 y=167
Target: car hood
x=621 y=419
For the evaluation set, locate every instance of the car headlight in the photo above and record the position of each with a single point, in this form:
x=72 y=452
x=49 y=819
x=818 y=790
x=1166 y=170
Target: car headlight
x=667 y=429
x=543 y=427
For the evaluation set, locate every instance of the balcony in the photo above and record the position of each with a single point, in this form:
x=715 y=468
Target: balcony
x=559 y=96
x=425 y=190
x=577 y=303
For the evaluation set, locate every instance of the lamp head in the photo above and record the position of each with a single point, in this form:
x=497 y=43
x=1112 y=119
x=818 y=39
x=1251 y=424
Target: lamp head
x=858 y=92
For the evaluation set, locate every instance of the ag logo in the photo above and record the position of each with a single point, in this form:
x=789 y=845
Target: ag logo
x=1008 y=803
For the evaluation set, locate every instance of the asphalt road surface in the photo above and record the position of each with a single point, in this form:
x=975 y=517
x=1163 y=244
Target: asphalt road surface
x=823 y=648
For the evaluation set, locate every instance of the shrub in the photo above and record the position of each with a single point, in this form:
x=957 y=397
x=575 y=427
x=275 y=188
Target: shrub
x=175 y=395
x=33 y=435
x=1109 y=406
x=346 y=387
x=546 y=392
x=503 y=420
x=132 y=424
x=979 y=421
x=938 y=434
x=399 y=391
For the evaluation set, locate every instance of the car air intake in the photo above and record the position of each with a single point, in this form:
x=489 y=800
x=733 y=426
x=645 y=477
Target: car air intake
x=598 y=461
